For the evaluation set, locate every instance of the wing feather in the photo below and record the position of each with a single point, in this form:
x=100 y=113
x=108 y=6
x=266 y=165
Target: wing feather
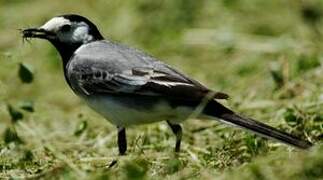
x=140 y=81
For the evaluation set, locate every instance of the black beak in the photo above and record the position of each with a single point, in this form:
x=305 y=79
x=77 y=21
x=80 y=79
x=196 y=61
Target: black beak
x=37 y=33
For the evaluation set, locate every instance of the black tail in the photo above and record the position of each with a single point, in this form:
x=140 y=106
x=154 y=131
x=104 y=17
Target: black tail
x=216 y=109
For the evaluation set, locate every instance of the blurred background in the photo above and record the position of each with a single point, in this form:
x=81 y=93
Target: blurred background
x=266 y=54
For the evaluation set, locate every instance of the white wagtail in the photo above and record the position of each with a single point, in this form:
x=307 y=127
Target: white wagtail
x=129 y=87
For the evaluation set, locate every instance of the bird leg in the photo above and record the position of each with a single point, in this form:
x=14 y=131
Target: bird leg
x=122 y=140
x=177 y=130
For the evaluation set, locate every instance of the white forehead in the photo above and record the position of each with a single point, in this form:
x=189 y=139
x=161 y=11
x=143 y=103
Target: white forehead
x=55 y=23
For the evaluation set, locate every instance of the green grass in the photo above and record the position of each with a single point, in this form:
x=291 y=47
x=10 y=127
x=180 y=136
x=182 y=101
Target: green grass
x=266 y=54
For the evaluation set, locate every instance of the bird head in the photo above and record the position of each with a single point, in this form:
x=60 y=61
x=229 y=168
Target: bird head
x=66 y=33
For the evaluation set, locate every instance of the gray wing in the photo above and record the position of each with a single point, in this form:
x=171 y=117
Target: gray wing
x=128 y=71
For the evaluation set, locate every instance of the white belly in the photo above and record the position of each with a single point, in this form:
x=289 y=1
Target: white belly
x=123 y=115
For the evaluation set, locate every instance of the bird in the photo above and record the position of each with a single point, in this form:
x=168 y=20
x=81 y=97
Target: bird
x=130 y=87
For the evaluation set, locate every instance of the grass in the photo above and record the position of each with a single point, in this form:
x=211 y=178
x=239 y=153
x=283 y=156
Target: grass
x=265 y=54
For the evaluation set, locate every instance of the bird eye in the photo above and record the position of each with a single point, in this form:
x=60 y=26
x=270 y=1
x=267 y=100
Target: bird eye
x=66 y=28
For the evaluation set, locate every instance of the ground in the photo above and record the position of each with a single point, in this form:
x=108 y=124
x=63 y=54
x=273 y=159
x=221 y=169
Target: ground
x=266 y=54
